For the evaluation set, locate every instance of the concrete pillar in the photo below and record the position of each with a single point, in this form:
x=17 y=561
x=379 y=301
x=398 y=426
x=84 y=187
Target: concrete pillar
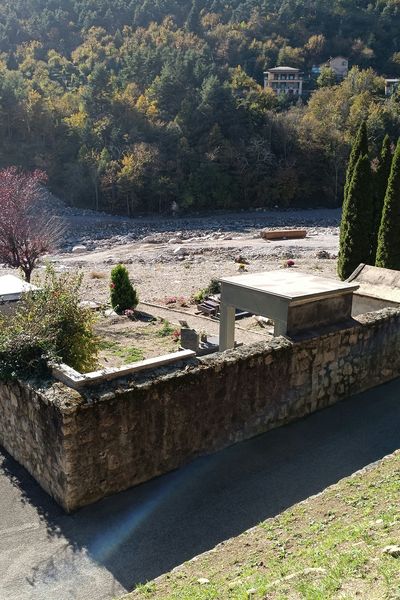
x=226 y=327
x=280 y=327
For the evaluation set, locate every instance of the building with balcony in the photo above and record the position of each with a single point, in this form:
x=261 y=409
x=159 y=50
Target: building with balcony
x=391 y=86
x=284 y=80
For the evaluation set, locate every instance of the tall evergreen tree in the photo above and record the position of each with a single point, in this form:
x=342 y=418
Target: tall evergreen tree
x=359 y=148
x=193 y=21
x=357 y=220
x=381 y=178
x=388 y=252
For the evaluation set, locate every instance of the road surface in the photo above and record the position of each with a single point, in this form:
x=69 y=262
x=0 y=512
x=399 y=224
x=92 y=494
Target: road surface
x=104 y=550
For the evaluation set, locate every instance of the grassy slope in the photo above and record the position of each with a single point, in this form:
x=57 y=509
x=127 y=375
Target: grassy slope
x=329 y=546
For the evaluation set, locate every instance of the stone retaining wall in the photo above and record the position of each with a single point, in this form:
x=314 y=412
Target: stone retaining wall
x=84 y=446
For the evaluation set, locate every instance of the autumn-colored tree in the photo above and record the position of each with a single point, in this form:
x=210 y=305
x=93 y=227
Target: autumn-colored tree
x=26 y=233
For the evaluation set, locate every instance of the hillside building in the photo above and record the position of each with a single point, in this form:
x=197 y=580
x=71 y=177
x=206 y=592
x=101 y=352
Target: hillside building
x=391 y=86
x=339 y=65
x=284 y=80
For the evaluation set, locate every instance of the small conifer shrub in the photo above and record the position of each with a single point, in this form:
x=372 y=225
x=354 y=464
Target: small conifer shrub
x=123 y=294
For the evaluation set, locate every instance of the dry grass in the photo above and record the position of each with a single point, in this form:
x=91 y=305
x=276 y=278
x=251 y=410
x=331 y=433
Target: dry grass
x=97 y=275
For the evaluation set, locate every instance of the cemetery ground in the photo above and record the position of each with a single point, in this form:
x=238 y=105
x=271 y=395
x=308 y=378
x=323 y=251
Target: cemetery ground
x=342 y=543
x=167 y=292
x=155 y=331
x=169 y=261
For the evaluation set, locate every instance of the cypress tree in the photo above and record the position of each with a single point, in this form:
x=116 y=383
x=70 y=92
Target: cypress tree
x=381 y=178
x=193 y=23
x=357 y=220
x=388 y=252
x=359 y=148
x=123 y=294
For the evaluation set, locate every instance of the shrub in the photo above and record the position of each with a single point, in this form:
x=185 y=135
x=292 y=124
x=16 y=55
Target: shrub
x=199 y=296
x=49 y=324
x=22 y=353
x=166 y=329
x=123 y=294
x=214 y=287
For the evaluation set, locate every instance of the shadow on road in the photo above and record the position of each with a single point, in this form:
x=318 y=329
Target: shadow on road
x=139 y=534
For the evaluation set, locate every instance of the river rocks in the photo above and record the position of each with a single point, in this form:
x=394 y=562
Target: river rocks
x=322 y=254
x=153 y=239
x=241 y=259
x=79 y=250
x=181 y=251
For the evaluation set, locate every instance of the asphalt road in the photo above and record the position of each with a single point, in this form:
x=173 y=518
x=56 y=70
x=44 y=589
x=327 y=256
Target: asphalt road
x=104 y=550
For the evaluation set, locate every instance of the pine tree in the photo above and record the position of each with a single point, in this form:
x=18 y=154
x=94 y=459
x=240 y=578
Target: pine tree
x=123 y=294
x=388 y=252
x=357 y=220
x=381 y=178
x=359 y=148
x=193 y=23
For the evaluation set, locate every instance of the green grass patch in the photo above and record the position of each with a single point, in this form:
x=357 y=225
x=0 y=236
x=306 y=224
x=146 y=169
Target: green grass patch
x=166 y=330
x=128 y=354
x=325 y=548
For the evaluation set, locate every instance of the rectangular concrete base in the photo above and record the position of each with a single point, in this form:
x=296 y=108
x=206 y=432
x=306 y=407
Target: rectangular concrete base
x=323 y=312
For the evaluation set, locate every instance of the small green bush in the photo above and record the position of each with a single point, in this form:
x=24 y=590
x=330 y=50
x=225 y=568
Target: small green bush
x=49 y=324
x=123 y=294
x=166 y=330
x=214 y=287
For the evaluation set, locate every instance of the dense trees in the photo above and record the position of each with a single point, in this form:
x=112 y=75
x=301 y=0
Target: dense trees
x=132 y=105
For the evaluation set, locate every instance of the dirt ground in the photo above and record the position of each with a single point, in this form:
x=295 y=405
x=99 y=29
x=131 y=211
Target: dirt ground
x=162 y=270
x=176 y=259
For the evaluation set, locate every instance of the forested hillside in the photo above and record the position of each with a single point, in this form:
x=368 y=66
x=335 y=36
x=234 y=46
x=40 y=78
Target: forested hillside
x=130 y=105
